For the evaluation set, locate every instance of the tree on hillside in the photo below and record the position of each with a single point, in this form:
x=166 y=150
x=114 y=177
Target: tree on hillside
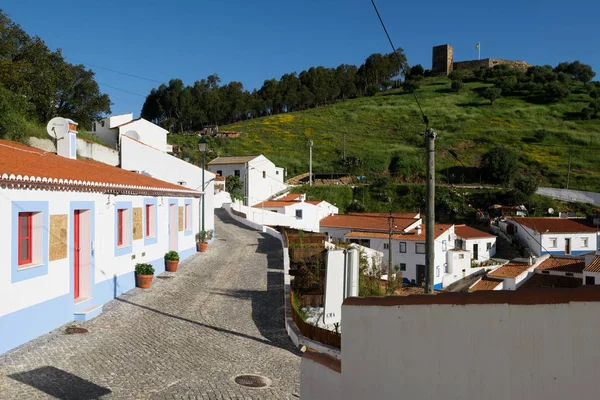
x=233 y=185
x=576 y=70
x=499 y=165
x=492 y=94
x=556 y=91
x=527 y=185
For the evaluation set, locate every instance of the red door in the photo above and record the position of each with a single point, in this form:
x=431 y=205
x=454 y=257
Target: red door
x=76 y=252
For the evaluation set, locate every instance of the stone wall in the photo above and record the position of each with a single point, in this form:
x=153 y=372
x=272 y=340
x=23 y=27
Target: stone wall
x=442 y=59
x=490 y=62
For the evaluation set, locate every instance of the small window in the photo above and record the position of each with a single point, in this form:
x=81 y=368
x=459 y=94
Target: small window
x=120 y=227
x=298 y=214
x=102 y=123
x=188 y=217
x=553 y=242
x=276 y=172
x=590 y=280
x=420 y=248
x=94 y=127
x=461 y=256
x=488 y=246
x=264 y=174
x=236 y=173
x=437 y=271
x=219 y=172
x=584 y=242
x=150 y=221
x=444 y=245
x=386 y=246
x=446 y=268
x=402 y=247
x=25 y=238
x=402 y=267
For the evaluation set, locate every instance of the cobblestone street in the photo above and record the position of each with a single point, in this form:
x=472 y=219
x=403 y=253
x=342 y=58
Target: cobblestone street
x=220 y=315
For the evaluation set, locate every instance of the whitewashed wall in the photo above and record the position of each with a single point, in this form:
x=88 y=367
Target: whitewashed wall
x=136 y=156
x=265 y=216
x=475 y=351
x=483 y=253
x=317 y=381
x=97 y=152
x=149 y=133
x=263 y=188
x=534 y=239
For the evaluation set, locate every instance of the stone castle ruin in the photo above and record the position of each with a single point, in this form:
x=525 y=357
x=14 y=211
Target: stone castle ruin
x=443 y=62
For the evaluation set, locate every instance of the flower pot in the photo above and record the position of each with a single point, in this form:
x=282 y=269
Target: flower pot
x=144 y=281
x=202 y=247
x=172 y=265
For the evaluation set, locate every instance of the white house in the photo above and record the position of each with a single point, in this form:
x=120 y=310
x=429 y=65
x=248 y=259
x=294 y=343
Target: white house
x=73 y=231
x=481 y=245
x=111 y=129
x=556 y=236
x=338 y=225
x=302 y=214
x=260 y=178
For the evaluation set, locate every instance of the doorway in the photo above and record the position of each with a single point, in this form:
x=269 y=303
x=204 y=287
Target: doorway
x=567 y=246
x=173 y=227
x=82 y=255
x=420 y=274
x=475 y=251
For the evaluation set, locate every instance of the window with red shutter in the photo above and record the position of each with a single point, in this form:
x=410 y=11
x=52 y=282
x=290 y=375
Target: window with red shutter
x=25 y=238
x=121 y=212
x=148 y=229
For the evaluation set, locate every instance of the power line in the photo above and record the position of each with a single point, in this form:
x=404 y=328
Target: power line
x=122 y=90
x=116 y=72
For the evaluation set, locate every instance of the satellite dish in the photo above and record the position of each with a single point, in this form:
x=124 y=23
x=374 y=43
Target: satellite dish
x=57 y=128
x=551 y=211
x=133 y=134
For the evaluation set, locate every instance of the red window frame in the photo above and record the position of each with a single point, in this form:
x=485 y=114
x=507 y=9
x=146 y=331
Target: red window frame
x=28 y=235
x=120 y=226
x=187 y=217
x=148 y=219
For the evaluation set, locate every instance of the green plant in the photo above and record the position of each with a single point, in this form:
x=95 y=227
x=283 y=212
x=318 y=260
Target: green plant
x=172 y=256
x=203 y=235
x=144 y=269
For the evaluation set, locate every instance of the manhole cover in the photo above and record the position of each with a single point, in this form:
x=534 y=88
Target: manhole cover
x=164 y=277
x=75 y=329
x=252 y=381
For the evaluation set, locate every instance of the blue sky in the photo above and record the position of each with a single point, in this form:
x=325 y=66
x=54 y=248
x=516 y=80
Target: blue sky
x=250 y=41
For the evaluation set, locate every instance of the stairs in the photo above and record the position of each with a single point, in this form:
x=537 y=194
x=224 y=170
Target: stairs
x=87 y=313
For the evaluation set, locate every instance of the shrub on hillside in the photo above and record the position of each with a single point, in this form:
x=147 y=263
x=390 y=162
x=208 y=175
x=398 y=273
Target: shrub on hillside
x=499 y=165
x=492 y=94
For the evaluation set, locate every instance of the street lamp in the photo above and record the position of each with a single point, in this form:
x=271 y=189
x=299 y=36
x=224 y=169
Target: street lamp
x=203 y=148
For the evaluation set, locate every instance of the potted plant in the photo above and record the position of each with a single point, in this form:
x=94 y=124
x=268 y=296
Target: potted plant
x=144 y=274
x=172 y=261
x=201 y=241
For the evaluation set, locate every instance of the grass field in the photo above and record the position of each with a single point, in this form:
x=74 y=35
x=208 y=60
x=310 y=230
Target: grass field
x=374 y=128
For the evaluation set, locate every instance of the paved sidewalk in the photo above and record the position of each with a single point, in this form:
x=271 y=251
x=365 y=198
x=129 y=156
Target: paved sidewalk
x=220 y=315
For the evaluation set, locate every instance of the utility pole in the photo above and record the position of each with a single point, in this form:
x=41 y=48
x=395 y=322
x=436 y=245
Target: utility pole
x=430 y=212
x=390 y=263
x=310 y=165
x=569 y=172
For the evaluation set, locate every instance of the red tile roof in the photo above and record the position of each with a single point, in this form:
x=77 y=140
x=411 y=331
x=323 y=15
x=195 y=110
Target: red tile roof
x=440 y=229
x=510 y=270
x=486 y=283
x=551 y=281
x=24 y=164
x=594 y=266
x=466 y=232
x=290 y=197
x=563 y=264
x=407 y=215
x=365 y=222
x=552 y=225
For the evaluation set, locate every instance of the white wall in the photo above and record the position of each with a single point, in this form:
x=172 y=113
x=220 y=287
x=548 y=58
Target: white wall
x=317 y=381
x=149 y=133
x=136 y=156
x=265 y=216
x=326 y=209
x=473 y=351
x=97 y=152
x=483 y=253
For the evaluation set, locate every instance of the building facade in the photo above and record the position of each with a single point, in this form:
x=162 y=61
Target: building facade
x=110 y=130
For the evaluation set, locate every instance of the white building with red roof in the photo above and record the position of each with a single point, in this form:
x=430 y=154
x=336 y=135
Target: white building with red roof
x=73 y=232
x=481 y=245
x=110 y=130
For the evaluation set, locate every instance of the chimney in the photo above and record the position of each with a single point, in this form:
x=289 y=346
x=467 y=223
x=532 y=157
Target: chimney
x=67 y=144
x=418 y=230
x=302 y=197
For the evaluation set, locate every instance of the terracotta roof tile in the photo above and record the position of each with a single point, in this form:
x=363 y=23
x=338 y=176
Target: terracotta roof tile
x=407 y=215
x=594 y=266
x=276 y=203
x=562 y=264
x=467 y=232
x=290 y=197
x=486 y=283
x=365 y=222
x=551 y=281
x=552 y=225
x=411 y=236
x=19 y=160
x=510 y=270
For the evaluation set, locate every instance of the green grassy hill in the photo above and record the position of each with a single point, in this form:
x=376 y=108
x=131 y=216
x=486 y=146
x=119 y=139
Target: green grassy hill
x=372 y=129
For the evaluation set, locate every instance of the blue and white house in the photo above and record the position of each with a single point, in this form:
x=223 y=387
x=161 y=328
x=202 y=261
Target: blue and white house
x=72 y=232
x=555 y=236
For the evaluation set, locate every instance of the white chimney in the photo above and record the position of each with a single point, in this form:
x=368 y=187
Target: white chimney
x=302 y=197
x=418 y=230
x=64 y=133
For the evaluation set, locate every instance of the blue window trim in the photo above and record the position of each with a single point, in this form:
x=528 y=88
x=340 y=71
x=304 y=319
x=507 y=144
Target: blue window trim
x=122 y=250
x=444 y=245
x=400 y=247
x=154 y=239
x=188 y=232
x=82 y=205
x=175 y=202
x=41 y=269
x=402 y=266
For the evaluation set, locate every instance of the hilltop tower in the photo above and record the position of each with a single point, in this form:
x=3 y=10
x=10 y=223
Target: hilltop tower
x=442 y=60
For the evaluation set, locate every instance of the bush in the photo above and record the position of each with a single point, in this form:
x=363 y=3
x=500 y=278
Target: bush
x=541 y=135
x=172 y=256
x=492 y=94
x=457 y=85
x=526 y=185
x=556 y=91
x=372 y=90
x=499 y=164
x=410 y=86
x=144 y=269
x=234 y=186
